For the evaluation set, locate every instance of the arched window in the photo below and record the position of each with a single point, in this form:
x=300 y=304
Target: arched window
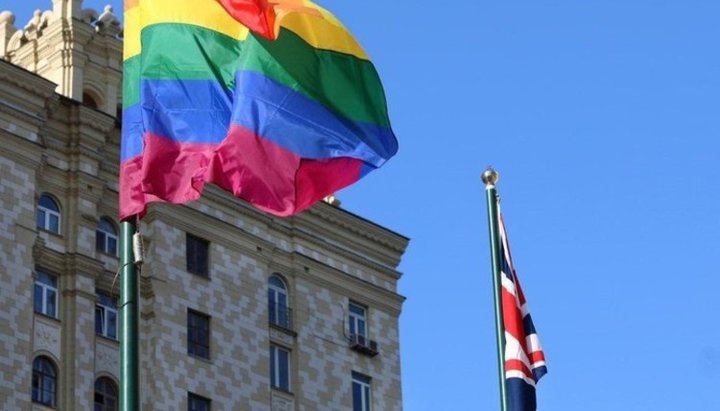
x=106 y=237
x=89 y=100
x=278 y=302
x=48 y=214
x=44 y=382
x=105 y=395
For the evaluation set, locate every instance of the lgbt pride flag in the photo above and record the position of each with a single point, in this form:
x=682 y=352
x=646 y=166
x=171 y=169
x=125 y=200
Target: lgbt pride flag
x=524 y=356
x=282 y=110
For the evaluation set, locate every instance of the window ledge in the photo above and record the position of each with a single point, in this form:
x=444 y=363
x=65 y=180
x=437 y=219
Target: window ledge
x=108 y=339
x=47 y=317
x=205 y=277
x=41 y=406
x=201 y=359
x=49 y=232
x=282 y=391
x=106 y=254
x=282 y=329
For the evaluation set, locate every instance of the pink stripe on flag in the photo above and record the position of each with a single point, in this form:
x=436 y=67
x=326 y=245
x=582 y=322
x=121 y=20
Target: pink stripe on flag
x=270 y=177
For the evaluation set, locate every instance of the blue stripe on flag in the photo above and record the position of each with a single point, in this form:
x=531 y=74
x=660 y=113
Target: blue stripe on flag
x=520 y=395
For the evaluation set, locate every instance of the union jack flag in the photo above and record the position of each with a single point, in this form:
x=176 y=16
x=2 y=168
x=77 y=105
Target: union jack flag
x=524 y=357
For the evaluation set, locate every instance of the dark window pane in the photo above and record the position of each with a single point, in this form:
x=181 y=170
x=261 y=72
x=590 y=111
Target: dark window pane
x=357 y=398
x=54 y=224
x=198 y=334
x=284 y=370
x=273 y=373
x=354 y=308
x=38 y=299
x=112 y=246
x=105 y=395
x=361 y=328
x=40 y=222
x=99 y=319
x=43 y=382
x=196 y=255
x=51 y=304
x=277 y=282
x=279 y=368
x=47 y=202
x=100 y=241
x=198 y=403
x=111 y=324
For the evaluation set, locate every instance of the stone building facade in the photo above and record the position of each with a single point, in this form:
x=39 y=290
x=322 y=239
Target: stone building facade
x=239 y=310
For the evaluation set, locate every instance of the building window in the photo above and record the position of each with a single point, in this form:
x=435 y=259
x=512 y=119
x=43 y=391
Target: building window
x=358 y=320
x=280 y=314
x=106 y=238
x=198 y=334
x=196 y=255
x=48 y=214
x=280 y=368
x=105 y=395
x=198 y=403
x=361 y=392
x=106 y=316
x=44 y=382
x=89 y=100
x=45 y=298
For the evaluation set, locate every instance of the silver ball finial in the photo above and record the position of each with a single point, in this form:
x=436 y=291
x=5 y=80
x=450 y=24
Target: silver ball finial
x=490 y=177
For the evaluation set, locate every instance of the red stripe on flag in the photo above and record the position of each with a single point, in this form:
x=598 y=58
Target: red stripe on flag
x=513 y=320
x=517 y=365
x=257 y=15
x=536 y=356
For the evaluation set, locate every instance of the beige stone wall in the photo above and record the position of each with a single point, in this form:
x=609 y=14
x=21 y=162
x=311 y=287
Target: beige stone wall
x=51 y=142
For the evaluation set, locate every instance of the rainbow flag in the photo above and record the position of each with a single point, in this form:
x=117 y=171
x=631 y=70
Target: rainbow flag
x=281 y=114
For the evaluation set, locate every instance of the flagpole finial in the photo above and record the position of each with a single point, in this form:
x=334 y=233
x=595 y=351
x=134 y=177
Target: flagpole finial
x=490 y=177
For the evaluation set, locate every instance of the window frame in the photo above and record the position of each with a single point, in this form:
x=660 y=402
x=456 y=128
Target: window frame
x=195 y=347
x=112 y=395
x=192 y=397
x=358 y=322
x=280 y=356
x=108 y=234
x=45 y=290
x=106 y=311
x=194 y=262
x=361 y=384
x=48 y=214
x=279 y=302
x=41 y=378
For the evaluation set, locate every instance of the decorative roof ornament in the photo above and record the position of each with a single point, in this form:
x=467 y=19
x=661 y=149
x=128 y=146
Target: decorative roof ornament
x=108 y=23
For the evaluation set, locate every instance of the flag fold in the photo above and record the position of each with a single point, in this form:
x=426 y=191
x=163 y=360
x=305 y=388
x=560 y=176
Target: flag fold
x=524 y=356
x=275 y=102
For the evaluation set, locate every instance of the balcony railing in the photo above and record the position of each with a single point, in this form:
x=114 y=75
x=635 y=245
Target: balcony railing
x=281 y=316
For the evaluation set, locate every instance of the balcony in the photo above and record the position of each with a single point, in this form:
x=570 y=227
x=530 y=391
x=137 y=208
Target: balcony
x=363 y=345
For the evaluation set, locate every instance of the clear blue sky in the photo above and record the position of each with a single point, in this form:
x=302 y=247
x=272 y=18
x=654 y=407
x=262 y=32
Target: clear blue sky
x=603 y=118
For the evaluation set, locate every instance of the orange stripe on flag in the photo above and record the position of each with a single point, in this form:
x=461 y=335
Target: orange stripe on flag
x=131 y=3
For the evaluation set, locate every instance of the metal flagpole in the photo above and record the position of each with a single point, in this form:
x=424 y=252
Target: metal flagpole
x=129 y=374
x=490 y=178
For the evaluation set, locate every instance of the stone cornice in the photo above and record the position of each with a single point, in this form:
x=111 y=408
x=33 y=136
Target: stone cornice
x=26 y=80
x=322 y=244
x=360 y=226
x=353 y=287
x=65 y=263
x=309 y=229
x=22 y=150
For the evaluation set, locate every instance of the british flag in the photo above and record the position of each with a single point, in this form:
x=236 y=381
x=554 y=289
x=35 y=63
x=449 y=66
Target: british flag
x=524 y=357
